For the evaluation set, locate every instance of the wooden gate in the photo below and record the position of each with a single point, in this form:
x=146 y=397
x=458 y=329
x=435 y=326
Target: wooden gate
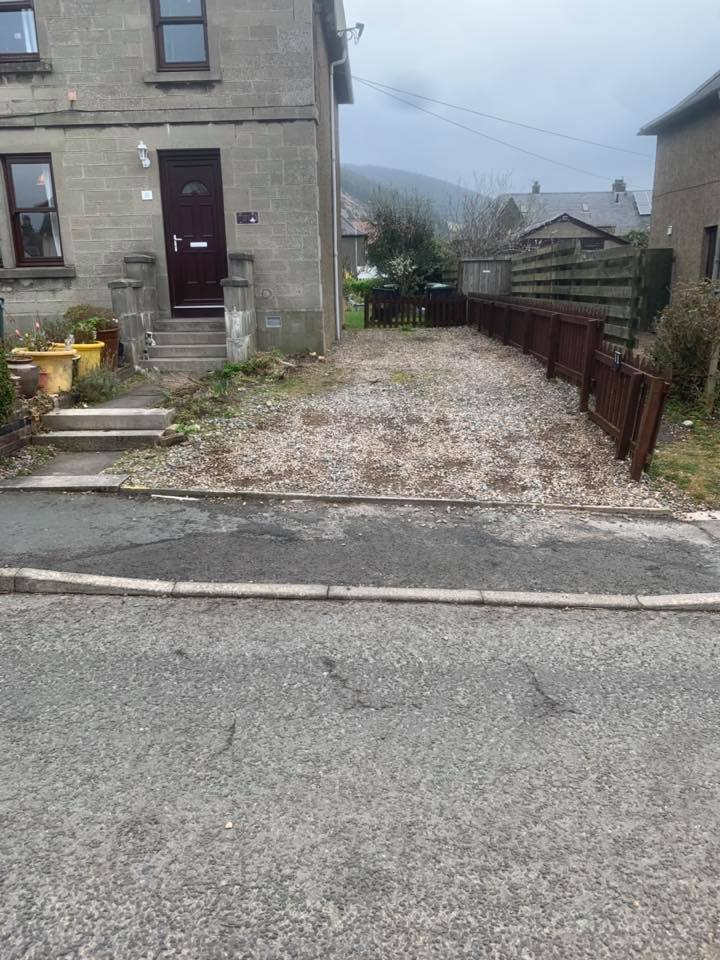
x=415 y=311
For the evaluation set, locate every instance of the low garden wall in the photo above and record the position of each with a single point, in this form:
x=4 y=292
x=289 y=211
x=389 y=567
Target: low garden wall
x=15 y=434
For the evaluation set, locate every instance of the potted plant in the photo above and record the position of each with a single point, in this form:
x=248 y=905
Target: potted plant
x=106 y=328
x=55 y=361
x=26 y=373
x=87 y=345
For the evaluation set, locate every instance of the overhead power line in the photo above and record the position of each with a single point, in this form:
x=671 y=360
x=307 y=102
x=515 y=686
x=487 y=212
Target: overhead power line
x=485 y=136
x=492 y=116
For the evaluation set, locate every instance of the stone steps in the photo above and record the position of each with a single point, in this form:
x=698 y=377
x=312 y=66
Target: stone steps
x=213 y=325
x=196 y=364
x=83 y=441
x=187 y=345
x=180 y=351
x=109 y=419
x=189 y=339
x=104 y=428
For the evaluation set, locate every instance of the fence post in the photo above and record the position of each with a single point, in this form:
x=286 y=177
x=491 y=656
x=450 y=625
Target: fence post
x=367 y=310
x=528 y=331
x=649 y=425
x=506 y=326
x=591 y=342
x=629 y=415
x=554 y=345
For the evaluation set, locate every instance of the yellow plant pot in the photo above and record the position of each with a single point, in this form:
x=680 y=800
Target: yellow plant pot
x=90 y=355
x=57 y=364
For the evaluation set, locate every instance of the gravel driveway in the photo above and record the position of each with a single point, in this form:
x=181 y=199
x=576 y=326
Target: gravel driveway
x=428 y=413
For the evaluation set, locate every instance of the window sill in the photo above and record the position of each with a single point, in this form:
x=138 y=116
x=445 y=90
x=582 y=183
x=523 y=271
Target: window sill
x=37 y=273
x=182 y=76
x=25 y=66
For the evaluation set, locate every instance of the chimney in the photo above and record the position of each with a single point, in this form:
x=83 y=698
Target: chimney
x=536 y=187
x=619 y=186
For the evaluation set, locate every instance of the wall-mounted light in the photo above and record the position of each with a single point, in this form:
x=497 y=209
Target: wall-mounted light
x=144 y=155
x=354 y=33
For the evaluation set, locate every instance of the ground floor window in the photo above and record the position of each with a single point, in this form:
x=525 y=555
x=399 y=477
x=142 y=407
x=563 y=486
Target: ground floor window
x=33 y=210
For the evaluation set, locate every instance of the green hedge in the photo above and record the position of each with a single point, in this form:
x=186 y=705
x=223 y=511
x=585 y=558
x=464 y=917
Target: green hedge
x=7 y=391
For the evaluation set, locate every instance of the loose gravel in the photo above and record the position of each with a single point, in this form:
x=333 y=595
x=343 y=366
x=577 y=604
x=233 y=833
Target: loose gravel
x=445 y=413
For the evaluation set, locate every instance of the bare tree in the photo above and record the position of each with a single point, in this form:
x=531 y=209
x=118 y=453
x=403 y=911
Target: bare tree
x=489 y=221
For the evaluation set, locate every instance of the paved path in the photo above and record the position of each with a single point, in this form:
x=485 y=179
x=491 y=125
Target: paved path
x=217 y=779
x=384 y=546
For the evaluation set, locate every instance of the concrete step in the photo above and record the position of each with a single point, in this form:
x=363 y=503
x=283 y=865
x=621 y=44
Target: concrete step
x=176 y=339
x=90 y=440
x=176 y=351
x=185 y=364
x=104 y=418
x=190 y=326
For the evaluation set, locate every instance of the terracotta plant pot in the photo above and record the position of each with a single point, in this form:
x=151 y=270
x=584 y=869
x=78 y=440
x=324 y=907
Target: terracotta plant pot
x=57 y=364
x=28 y=373
x=111 y=338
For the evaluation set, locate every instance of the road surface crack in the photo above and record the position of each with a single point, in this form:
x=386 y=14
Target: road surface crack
x=359 y=700
x=229 y=738
x=549 y=705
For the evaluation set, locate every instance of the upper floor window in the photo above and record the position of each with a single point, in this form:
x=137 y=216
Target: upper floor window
x=18 y=34
x=181 y=34
x=33 y=210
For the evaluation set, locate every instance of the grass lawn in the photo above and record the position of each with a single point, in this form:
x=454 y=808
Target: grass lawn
x=691 y=459
x=354 y=320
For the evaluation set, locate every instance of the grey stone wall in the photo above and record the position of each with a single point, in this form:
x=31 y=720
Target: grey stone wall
x=687 y=191
x=260 y=105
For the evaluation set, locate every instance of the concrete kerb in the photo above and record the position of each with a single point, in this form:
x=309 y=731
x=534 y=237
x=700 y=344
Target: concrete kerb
x=349 y=499
x=111 y=484
x=24 y=580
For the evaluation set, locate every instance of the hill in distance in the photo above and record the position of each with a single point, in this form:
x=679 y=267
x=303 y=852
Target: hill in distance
x=359 y=183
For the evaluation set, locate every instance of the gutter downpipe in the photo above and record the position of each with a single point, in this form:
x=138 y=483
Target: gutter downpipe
x=334 y=160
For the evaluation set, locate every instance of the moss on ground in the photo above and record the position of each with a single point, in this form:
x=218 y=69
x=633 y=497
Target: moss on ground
x=691 y=459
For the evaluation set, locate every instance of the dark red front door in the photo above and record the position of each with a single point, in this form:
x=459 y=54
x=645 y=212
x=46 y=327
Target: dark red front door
x=194 y=230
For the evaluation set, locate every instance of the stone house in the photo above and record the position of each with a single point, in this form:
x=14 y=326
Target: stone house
x=686 y=206
x=353 y=245
x=617 y=211
x=172 y=155
x=562 y=228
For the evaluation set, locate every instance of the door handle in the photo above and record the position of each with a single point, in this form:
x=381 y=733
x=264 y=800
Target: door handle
x=176 y=240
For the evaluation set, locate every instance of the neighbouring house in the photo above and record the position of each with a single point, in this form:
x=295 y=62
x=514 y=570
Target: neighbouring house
x=618 y=211
x=562 y=228
x=353 y=246
x=686 y=205
x=171 y=145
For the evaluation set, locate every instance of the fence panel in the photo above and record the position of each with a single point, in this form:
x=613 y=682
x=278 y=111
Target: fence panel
x=415 y=311
x=629 y=395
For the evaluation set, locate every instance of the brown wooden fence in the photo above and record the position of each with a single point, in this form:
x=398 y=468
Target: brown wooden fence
x=415 y=311
x=629 y=284
x=619 y=391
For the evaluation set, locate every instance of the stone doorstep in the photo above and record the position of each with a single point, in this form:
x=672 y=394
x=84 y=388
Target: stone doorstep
x=91 y=440
x=109 y=418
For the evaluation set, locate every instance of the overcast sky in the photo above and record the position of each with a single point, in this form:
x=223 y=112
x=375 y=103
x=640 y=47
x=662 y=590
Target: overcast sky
x=597 y=70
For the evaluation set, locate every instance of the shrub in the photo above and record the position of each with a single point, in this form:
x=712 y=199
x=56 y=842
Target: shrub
x=98 y=386
x=58 y=330
x=86 y=311
x=7 y=391
x=358 y=288
x=687 y=331
x=85 y=331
